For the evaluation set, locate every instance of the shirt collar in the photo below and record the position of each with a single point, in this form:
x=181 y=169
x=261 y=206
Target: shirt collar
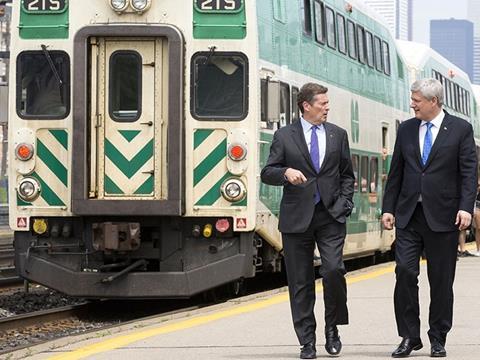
x=437 y=120
x=307 y=126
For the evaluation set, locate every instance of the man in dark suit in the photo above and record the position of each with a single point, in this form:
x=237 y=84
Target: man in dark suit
x=311 y=159
x=429 y=197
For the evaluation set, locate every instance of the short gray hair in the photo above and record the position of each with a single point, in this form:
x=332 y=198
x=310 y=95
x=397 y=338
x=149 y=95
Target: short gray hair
x=429 y=88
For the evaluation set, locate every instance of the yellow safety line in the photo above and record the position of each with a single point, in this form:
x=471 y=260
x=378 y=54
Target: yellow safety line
x=124 y=340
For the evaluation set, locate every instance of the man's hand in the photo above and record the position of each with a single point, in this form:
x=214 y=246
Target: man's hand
x=295 y=177
x=388 y=220
x=463 y=220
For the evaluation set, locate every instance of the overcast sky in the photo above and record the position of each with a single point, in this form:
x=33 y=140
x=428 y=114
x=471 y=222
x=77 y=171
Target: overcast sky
x=426 y=10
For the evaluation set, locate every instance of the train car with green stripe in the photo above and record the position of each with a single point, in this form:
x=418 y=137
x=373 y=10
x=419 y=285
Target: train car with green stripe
x=138 y=129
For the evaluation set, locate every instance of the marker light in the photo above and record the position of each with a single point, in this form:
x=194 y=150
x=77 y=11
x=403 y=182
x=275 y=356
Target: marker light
x=222 y=225
x=207 y=230
x=237 y=152
x=140 y=5
x=119 y=5
x=28 y=189
x=24 y=151
x=233 y=190
x=40 y=226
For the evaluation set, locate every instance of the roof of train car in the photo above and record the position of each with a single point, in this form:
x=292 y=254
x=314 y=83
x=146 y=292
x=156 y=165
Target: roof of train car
x=417 y=54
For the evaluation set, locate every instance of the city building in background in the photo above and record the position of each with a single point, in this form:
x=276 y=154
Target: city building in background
x=398 y=15
x=453 y=39
x=473 y=11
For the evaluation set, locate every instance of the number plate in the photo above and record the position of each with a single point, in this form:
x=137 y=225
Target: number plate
x=44 y=6
x=218 y=5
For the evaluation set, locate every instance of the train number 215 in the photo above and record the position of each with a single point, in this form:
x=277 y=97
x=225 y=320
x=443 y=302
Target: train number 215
x=219 y=4
x=44 y=5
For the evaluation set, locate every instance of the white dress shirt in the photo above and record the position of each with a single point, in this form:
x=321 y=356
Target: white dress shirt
x=322 y=137
x=436 y=122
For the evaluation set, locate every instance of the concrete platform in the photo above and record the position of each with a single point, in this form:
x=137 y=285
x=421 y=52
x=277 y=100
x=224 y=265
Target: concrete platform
x=259 y=326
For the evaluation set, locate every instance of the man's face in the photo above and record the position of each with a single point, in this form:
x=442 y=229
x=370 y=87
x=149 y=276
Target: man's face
x=317 y=111
x=424 y=109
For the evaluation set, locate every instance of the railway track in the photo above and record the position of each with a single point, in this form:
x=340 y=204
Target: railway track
x=22 y=331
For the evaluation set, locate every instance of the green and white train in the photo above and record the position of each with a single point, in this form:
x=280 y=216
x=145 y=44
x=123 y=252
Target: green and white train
x=138 y=129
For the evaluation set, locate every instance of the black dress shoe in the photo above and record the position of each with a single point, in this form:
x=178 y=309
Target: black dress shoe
x=406 y=347
x=437 y=350
x=308 y=351
x=333 y=345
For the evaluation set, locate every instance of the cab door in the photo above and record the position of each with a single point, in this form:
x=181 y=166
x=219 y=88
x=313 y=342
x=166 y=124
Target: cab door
x=125 y=150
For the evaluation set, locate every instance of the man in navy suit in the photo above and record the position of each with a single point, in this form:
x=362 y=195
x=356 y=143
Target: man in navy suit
x=311 y=160
x=429 y=197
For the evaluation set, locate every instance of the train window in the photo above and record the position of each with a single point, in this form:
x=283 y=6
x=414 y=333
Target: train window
x=319 y=22
x=295 y=109
x=355 y=172
x=306 y=17
x=456 y=97
x=219 y=86
x=43 y=85
x=364 y=174
x=449 y=93
x=284 y=104
x=386 y=58
x=378 y=54
x=330 y=20
x=361 y=44
x=125 y=86
x=401 y=73
x=352 y=44
x=342 y=34
x=468 y=103
x=369 y=48
x=373 y=174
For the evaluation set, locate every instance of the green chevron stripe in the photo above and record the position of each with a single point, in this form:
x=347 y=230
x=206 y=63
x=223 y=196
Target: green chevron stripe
x=21 y=202
x=200 y=136
x=111 y=187
x=47 y=193
x=219 y=153
x=129 y=135
x=214 y=193
x=146 y=187
x=52 y=162
x=61 y=136
x=129 y=168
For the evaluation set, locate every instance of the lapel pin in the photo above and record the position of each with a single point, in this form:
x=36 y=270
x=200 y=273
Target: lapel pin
x=445 y=128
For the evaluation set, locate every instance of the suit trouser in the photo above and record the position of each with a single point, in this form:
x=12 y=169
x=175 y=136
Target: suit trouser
x=298 y=250
x=441 y=253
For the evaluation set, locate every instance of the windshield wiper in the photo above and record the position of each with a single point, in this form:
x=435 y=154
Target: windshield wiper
x=52 y=66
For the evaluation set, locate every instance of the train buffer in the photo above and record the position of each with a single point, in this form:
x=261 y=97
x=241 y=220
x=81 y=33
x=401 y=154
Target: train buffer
x=259 y=326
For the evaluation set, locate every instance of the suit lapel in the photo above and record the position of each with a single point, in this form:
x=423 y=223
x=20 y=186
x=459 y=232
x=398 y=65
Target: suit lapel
x=416 y=143
x=299 y=139
x=443 y=133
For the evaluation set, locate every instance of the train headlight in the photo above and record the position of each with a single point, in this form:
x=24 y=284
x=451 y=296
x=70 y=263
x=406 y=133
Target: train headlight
x=28 y=189
x=233 y=190
x=140 y=5
x=119 y=5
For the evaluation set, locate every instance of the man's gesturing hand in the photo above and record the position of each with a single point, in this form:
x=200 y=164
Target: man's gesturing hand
x=295 y=177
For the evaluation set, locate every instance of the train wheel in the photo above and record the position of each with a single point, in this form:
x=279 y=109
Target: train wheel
x=237 y=288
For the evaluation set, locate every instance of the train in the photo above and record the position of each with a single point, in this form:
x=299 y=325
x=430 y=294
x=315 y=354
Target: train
x=138 y=129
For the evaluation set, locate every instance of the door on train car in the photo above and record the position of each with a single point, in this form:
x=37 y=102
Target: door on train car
x=126 y=122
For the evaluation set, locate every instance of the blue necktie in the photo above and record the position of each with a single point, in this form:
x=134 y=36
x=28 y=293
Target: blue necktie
x=427 y=143
x=315 y=156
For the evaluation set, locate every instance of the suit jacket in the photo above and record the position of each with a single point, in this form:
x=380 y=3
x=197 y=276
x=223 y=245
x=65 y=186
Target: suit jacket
x=335 y=179
x=447 y=182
